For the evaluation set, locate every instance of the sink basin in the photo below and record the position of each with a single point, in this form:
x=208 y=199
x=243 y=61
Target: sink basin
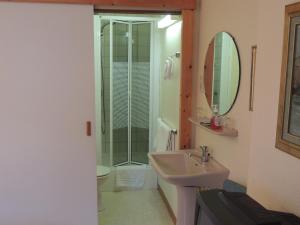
x=184 y=169
x=179 y=168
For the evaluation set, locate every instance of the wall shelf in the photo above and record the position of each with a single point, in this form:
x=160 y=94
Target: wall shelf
x=225 y=131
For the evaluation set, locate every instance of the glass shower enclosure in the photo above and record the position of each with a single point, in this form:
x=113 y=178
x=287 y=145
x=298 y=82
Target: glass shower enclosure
x=125 y=91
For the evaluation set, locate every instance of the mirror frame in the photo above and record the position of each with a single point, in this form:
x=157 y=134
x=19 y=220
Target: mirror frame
x=240 y=69
x=285 y=143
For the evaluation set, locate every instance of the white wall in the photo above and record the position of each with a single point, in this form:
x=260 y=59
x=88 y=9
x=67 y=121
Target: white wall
x=170 y=43
x=169 y=94
x=238 y=17
x=273 y=174
x=47 y=163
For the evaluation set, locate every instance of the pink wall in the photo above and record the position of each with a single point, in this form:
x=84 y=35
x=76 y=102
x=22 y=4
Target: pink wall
x=239 y=19
x=273 y=175
x=47 y=164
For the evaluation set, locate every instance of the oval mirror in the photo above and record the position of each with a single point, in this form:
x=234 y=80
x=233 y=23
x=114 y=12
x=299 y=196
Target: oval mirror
x=221 y=73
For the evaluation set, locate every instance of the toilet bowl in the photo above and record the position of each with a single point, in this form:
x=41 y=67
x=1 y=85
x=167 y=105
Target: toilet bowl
x=102 y=175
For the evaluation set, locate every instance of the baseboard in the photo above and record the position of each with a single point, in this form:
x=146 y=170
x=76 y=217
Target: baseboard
x=165 y=200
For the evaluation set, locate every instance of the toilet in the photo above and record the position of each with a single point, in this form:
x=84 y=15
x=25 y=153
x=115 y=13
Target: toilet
x=102 y=175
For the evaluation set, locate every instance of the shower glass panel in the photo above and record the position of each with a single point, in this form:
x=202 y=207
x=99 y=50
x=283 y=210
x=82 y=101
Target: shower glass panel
x=140 y=91
x=125 y=91
x=120 y=92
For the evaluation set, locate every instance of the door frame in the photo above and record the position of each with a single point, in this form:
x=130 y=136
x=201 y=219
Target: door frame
x=185 y=134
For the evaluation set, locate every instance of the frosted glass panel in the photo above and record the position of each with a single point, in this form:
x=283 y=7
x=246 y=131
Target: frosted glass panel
x=125 y=91
x=140 y=92
x=120 y=93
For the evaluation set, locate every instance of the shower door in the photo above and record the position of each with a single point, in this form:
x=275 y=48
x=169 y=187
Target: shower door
x=130 y=92
x=120 y=129
x=140 y=91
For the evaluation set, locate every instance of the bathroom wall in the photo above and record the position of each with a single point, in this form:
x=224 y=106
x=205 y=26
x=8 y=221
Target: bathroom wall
x=47 y=163
x=170 y=42
x=273 y=175
x=238 y=17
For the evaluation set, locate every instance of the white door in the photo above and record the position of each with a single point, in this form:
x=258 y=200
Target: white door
x=47 y=163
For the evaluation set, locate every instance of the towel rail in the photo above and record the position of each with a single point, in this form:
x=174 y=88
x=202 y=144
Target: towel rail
x=171 y=145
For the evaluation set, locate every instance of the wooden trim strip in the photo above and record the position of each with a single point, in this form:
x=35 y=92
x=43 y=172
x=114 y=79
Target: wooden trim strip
x=252 y=77
x=125 y=4
x=83 y=2
x=164 y=5
x=131 y=11
x=165 y=200
x=88 y=128
x=186 y=78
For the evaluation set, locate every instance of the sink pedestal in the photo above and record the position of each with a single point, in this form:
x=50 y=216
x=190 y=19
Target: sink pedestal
x=186 y=205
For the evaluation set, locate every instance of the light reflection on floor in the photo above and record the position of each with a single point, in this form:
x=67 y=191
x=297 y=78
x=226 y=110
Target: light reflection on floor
x=134 y=208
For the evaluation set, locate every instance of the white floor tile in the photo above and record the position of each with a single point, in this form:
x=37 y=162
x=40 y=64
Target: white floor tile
x=134 y=208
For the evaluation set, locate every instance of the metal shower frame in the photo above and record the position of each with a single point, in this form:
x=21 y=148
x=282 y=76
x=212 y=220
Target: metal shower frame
x=112 y=20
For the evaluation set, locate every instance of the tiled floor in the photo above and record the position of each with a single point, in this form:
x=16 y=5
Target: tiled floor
x=134 y=208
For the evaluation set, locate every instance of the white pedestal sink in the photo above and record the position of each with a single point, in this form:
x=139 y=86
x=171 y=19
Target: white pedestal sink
x=187 y=173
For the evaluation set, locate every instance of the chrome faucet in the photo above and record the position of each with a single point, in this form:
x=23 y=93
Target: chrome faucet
x=205 y=154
